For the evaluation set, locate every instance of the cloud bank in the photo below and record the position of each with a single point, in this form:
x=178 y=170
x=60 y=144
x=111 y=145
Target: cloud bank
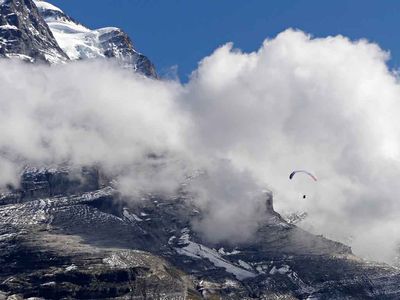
x=328 y=105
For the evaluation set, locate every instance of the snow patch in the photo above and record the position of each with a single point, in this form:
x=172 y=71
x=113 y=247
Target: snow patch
x=131 y=216
x=9 y=27
x=20 y=56
x=245 y=265
x=199 y=251
x=7 y=236
x=223 y=252
x=42 y=5
x=71 y=268
x=171 y=240
x=282 y=270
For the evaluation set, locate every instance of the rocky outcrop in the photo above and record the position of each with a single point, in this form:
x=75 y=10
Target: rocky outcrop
x=25 y=35
x=115 y=43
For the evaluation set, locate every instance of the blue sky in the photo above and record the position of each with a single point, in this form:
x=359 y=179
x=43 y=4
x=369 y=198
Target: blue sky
x=182 y=32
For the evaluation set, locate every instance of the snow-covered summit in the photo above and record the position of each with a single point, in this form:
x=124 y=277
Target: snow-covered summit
x=80 y=42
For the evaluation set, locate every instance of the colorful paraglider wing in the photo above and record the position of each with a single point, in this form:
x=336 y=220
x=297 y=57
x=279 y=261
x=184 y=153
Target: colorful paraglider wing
x=302 y=171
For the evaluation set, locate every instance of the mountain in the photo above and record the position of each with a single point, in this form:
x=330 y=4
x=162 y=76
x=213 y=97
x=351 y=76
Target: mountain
x=37 y=31
x=79 y=42
x=68 y=234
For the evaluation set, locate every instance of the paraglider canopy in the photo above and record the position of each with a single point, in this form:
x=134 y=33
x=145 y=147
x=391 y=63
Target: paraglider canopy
x=302 y=171
x=305 y=172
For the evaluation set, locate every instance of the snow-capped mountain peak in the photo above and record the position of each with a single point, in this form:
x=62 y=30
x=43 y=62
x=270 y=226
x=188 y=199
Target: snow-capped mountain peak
x=39 y=31
x=80 y=42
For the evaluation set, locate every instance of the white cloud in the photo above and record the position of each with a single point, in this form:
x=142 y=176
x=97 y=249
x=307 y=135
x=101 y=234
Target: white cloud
x=328 y=105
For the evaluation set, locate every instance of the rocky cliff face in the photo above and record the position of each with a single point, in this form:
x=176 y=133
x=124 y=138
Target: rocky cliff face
x=25 y=35
x=69 y=234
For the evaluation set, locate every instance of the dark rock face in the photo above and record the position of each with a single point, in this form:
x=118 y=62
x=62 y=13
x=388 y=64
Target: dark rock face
x=24 y=33
x=41 y=183
x=50 y=182
x=84 y=241
x=117 y=44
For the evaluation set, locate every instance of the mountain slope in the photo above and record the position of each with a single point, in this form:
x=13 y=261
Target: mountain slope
x=103 y=247
x=79 y=42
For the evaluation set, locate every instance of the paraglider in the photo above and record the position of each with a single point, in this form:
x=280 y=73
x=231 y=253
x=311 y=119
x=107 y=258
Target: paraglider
x=305 y=172
x=302 y=171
